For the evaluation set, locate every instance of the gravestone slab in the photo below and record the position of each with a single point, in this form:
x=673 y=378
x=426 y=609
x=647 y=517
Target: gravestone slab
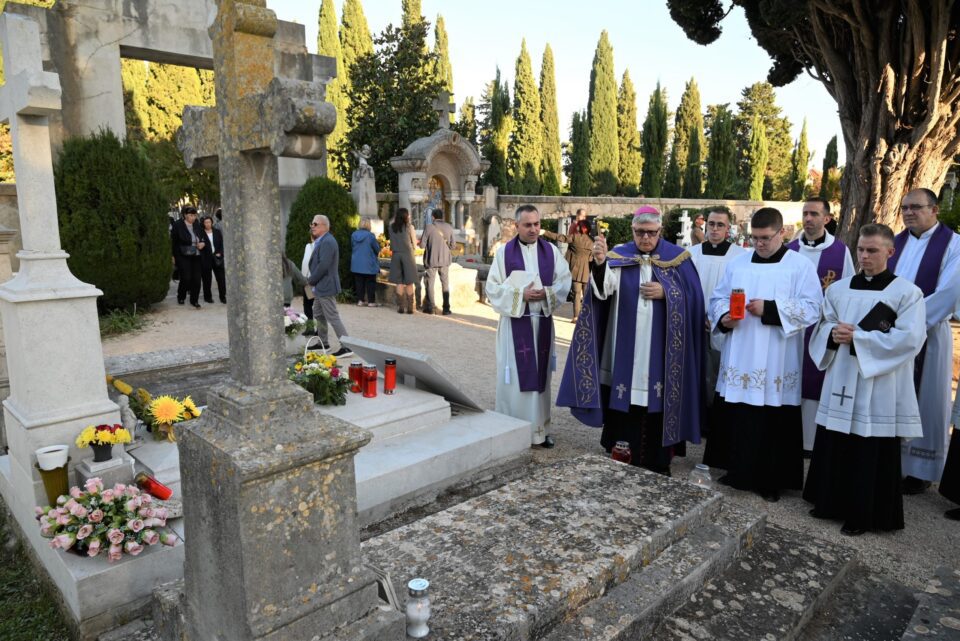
x=422 y=367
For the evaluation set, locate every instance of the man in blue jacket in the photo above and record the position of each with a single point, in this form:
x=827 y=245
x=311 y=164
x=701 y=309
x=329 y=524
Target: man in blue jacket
x=325 y=280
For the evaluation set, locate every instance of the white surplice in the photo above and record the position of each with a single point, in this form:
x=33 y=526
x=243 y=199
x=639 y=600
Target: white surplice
x=924 y=458
x=760 y=364
x=870 y=393
x=643 y=326
x=507 y=300
x=808 y=406
x=711 y=268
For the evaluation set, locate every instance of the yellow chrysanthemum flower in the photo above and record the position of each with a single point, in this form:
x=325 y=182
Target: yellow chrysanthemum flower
x=122 y=387
x=191 y=408
x=86 y=436
x=166 y=409
x=144 y=396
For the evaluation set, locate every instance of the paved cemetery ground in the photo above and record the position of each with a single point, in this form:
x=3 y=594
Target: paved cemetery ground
x=464 y=345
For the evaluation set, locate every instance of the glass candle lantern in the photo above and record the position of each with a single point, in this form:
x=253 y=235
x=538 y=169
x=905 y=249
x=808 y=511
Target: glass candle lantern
x=621 y=452
x=738 y=304
x=369 y=381
x=700 y=475
x=356 y=376
x=390 y=376
x=152 y=486
x=418 y=608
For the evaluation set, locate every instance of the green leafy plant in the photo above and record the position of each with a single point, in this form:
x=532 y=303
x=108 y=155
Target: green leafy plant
x=321 y=195
x=121 y=321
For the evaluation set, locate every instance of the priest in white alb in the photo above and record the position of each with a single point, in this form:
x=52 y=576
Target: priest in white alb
x=871 y=330
x=528 y=280
x=758 y=389
x=927 y=253
x=831 y=258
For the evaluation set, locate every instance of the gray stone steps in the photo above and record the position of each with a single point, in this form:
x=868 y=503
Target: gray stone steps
x=390 y=415
x=937 y=616
x=515 y=562
x=769 y=594
x=634 y=608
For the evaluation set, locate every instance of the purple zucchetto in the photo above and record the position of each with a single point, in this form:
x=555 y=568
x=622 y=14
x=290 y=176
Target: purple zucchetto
x=647 y=209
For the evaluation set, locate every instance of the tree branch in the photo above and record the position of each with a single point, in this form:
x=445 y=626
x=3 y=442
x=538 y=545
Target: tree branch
x=938 y=47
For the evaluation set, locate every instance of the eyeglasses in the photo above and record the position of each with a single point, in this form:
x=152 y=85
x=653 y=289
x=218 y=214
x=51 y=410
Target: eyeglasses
x=763 y=239
x=642 y=233
x=913 y=208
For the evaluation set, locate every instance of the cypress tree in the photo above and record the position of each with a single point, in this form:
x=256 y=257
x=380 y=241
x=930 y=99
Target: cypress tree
x=759 y=99
x=602 y=121
x=654 y=143
x=552 y=162
x=466 y=126
x=355 y=38
x=525 y=155
x=829 y=162
x=133 y=77
x=758 y=159
x=495 y=128
x=800 y=160
x=671 y=181
x=170 y=88
x=579 y=155
x=412 y=13
x=628 y=137
x=721 y=161
x=689 y=114
x=693 y=175
x=441 y=48
x=328 y=44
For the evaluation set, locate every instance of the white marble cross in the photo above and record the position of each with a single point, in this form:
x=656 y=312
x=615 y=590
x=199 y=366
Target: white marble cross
x=445 y=107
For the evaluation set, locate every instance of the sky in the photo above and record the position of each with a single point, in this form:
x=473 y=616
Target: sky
x=645 y=40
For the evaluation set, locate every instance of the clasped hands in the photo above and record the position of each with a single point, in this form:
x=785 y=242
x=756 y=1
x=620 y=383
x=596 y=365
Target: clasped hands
x=531 y=294
x=842 y=334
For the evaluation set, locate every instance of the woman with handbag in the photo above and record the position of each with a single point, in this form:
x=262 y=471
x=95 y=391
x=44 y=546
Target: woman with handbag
x=211 y=261
x=187 y=238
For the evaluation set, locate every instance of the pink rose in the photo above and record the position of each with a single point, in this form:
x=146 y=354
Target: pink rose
x=61 y=499
x=107 y=496
x=93 y=486
x=84 y=531
x=119 y=488
x=78 y=511
x=150 y=537
x=115 y=536
x=93 y=548
x=168 y=538
x=46 y=530
x=65 y=541
x=154 y=522
x=69 y=505
x=133 y=548
x=75 y=492
x=64 y=519
x=132 y=490
x=135 y=525
x=96 y=516
x=40 y=511
x=160 y=512
x=115 y=553
x=335 y=372
x=145 y=512
x=132 y=505
x=145 y=499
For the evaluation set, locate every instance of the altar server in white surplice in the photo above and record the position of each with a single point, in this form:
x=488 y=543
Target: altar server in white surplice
x=927 y=253
x=831 y=258
x=758 y=389
x=710 y=258
x=528 y=280
x=871 y=330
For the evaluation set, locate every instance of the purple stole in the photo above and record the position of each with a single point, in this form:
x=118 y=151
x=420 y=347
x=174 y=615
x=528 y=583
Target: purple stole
x=928 y=273
x=531 y=372
x=829 y=269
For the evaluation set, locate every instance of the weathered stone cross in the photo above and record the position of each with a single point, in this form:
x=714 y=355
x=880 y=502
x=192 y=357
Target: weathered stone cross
x=266 y=117
x=445 y=107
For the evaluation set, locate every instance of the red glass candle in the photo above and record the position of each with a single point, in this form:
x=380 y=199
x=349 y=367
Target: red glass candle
x=356 y=376
x=153 y=487
x=738 y=304
x=369 y=381
x=390 y=376
x=621 y=452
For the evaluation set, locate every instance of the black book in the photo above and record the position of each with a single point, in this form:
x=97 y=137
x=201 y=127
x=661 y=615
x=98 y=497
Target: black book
x=879 y=319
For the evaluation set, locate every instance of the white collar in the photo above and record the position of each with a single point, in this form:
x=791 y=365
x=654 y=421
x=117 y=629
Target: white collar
x=927 y=234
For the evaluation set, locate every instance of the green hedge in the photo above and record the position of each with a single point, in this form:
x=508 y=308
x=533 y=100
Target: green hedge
x=113 y=221
x=321 y=195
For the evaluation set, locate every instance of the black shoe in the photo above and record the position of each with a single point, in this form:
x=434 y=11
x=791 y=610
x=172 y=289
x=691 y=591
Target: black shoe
x=447 y=312
x=913 y=485
x=548 y=442
x=180 y=301
x=318 y=344
x=813 y=512
x=848 y=530
x=222 y=300
x=953 y=515
x=343 y=351
x=426 y=309
x=197 y=305
x=770 y=496
x=208 y=300
x=309 y=332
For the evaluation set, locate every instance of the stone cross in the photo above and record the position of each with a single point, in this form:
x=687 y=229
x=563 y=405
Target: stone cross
x=445 y=107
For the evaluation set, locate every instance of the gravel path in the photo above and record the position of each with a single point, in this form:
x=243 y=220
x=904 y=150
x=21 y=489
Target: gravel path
x=464 y=344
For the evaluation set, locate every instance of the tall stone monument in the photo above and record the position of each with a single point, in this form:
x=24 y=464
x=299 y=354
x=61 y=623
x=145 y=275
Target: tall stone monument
x=268 y=483
x=363 y=186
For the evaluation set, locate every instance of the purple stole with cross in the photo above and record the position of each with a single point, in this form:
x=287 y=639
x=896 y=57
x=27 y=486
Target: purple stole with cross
x=532 y=372
x=928 y=273
x=829 y=269
x=676 y=347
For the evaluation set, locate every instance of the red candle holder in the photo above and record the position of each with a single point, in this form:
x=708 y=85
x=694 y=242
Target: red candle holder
x=621 y=452
x=738 y=304
x=152 y=486
x=390 y=376
x=356 y=376
x=370 y=381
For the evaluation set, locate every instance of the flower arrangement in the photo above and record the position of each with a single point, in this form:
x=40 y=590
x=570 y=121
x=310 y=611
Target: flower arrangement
x=103 y=435
x=384 y=242
x=166 y=411
x=139 y=399
x=602 y=227
x=117 y=521
x=319 y=375
x=295 y=323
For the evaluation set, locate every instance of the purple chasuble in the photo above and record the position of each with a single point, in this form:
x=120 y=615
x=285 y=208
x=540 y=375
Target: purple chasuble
x=829 y=269
x=531 y=372
x=928 y=273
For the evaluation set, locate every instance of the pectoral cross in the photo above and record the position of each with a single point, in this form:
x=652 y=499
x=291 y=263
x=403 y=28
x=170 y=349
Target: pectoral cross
x=777 y=381
x=525 y=352
x=621 y=388
x=843 y=395
x=659 y=388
